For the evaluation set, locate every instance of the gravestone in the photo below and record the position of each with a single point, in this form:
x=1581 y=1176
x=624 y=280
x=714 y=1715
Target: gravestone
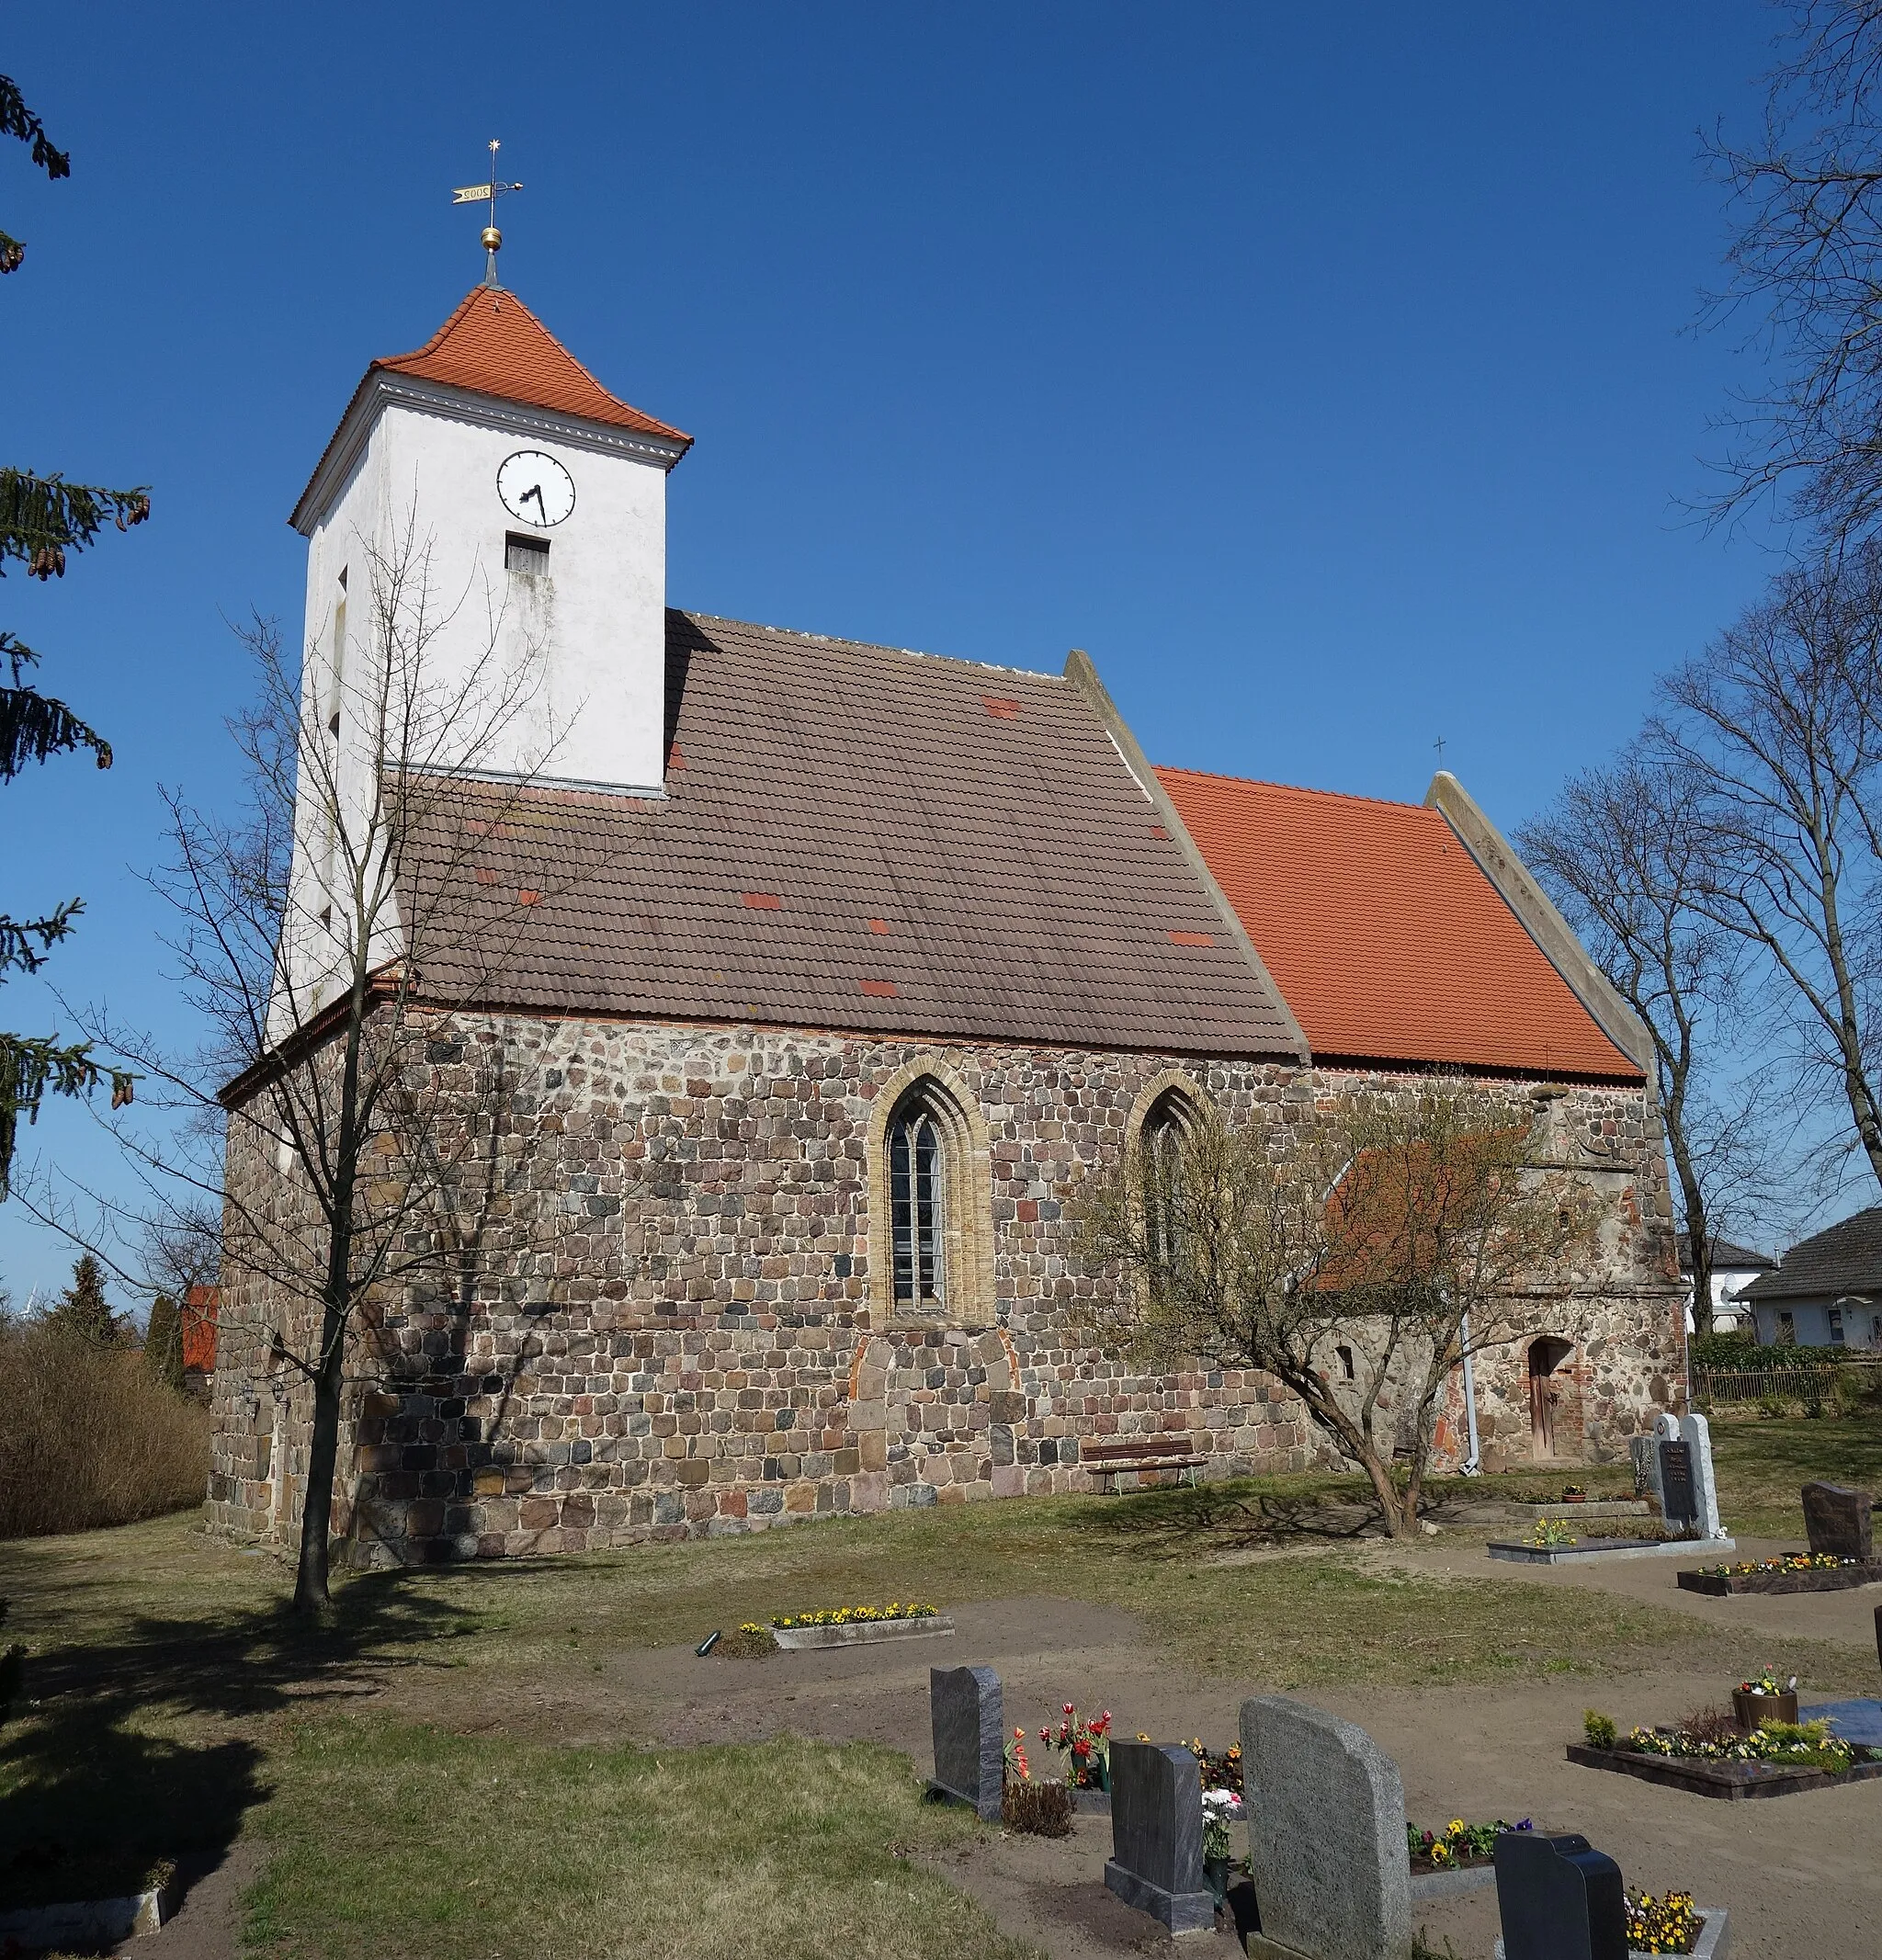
x=1838 y=1522
x=1695 y=1432
x=1326 y=1835
x=970 y=1736
x=1679 y=1497
x=1644 y=1451
x=1559 y=1899
x=1156 y=1835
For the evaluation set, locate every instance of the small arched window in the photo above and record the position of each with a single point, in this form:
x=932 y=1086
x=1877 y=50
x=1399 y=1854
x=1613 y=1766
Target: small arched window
x=1162 y=1140
x=918 y=1172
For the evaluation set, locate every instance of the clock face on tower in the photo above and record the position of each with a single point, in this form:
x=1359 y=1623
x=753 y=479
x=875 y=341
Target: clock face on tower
x=535 y=488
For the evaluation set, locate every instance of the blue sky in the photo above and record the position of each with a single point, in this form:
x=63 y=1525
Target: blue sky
x=1328 y=374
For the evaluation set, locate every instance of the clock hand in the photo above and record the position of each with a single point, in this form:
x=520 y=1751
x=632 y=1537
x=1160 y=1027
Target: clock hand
x=534 y=491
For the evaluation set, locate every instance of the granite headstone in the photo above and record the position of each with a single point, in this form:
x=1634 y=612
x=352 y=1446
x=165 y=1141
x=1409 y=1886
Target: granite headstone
x=1695 y=1432
x=1838 y=1522
x=1679 y=1500
x=969 y=1730
x=1644 y=1451
x=1559 y=1899
x=1156 y=1835
x=1326 y=1834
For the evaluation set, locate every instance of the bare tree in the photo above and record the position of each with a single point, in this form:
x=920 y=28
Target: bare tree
x=1776 y=729
x=1623 y=854
x=1808 y=257
x=1358 y=1257
x=344 y=938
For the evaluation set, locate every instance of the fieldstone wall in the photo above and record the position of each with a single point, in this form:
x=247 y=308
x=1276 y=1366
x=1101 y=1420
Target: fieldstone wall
x=674 y=1327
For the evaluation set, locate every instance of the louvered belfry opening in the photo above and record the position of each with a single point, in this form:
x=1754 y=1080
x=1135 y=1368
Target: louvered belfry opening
x=918 y=1178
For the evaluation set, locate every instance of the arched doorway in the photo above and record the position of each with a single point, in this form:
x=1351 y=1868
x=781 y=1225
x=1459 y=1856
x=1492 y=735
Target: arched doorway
x=1546 y=1391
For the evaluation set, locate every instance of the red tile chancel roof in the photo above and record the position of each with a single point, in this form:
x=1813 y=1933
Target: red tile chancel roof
x=493 y=345
x=1384 y=935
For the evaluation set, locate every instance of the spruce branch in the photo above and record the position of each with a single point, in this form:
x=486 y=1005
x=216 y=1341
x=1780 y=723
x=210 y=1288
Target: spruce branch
x=33 y=725
x=43 y=517
x=33 y=1067
x=16 y=938
x=18 y=119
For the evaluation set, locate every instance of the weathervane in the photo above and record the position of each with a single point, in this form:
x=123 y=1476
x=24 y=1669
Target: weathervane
x=489 y=193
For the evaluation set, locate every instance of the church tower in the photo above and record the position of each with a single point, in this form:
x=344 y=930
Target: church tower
x=540 y=499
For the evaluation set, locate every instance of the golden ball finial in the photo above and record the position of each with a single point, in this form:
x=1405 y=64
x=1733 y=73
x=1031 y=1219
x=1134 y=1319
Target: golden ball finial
x=493 y=238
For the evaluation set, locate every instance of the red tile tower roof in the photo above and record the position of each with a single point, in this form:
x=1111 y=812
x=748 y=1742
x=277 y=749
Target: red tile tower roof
x=1384 y=935
x=493 y=345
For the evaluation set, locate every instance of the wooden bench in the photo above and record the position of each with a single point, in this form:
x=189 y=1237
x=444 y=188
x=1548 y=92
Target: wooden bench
x=1107 y=1461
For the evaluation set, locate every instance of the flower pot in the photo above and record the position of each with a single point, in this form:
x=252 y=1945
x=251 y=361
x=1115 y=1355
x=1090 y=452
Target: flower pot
x=1215 y=1872
x=1753 y=1711
x=1581 y=1497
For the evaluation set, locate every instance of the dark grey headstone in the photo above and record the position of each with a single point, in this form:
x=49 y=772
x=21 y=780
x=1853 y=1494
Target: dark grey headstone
x=1156 y=1835
x=1838 y=1522
x=1559 y=1899
x=1679 y=1498
x=970 y=1736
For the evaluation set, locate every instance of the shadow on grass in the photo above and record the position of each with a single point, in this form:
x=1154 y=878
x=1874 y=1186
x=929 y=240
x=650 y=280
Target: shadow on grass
x=1240 y=1515
x=1261 y=1514
x=118 y=1755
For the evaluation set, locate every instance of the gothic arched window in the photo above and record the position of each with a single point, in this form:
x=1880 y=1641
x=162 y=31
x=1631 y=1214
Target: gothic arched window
x=1161 y=1140
x=918 y=1177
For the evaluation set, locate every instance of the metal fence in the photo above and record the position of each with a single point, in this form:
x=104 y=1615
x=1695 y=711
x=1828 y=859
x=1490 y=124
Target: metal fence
x=1732 y=1388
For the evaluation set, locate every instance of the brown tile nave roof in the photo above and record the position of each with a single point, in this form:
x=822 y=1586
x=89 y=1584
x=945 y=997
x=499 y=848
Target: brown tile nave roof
x=859 y=838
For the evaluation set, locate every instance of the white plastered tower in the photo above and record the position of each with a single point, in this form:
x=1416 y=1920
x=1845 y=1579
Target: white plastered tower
x=535 y=502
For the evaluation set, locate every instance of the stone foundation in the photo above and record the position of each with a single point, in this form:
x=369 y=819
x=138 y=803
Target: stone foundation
x=677 y=1327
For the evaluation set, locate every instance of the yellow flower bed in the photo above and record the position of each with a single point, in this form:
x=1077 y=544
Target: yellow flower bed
x=855 y=1616
x=1662 y=1924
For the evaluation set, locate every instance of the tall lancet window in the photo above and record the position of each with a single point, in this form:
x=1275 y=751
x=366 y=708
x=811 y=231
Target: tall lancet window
x=918 y=1208
x=1162 y=1140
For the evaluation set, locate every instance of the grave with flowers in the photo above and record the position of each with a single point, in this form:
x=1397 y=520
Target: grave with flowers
x=1560 y=1898
x=1710 y=1754
x=1841 y=1555
x=1082 y=1744
x=854 y=1626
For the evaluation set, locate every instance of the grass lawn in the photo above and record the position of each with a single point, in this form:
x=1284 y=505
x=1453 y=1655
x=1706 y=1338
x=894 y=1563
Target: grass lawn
x=1308 y=1610
x=397 y=1840
x=1763 y=1465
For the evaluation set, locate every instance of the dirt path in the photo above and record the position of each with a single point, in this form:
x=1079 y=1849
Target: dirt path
x=1848 y=1617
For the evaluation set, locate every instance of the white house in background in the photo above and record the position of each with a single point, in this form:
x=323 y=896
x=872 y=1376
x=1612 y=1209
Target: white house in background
x=1734 y=1267
x=1827 y=1290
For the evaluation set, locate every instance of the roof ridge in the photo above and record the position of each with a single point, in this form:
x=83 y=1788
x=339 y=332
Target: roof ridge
x=869 y=646
x=1298 y=790
x=449 y=321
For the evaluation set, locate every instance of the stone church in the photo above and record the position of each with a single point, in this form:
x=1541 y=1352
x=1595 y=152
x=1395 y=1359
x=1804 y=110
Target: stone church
x=874 y=956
